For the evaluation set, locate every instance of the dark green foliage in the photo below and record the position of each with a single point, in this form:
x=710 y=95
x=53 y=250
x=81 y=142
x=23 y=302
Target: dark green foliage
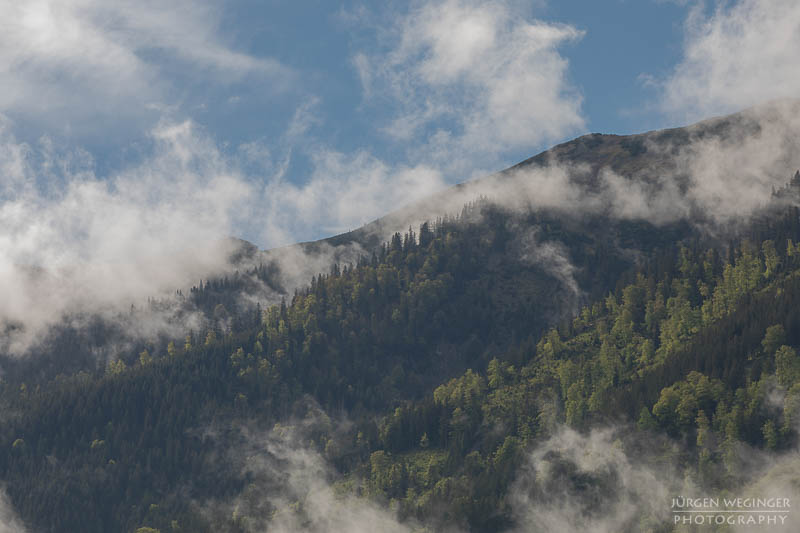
x=452 y=352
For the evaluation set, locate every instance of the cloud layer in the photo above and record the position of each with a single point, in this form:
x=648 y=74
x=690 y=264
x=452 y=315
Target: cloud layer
x=719 y=172
x=78 y=241
x=75 y=242
x=742 y=54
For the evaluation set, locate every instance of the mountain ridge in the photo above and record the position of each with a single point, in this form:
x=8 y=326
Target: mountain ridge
x=631 y=155
x=434 y=374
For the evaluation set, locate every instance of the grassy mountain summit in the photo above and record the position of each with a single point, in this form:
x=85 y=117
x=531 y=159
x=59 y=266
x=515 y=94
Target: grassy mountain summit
x=604 y=295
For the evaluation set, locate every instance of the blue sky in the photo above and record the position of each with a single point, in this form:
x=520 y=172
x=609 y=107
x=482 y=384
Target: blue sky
x=321 y=116
x=317 y=41
x=622 y=40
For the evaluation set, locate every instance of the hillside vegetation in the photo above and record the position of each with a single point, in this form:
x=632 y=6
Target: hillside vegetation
x=439 y=361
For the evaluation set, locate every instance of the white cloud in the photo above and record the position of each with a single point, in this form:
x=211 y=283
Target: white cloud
x=344 y=192
x=76 y=242
x=740 y=55
x=475 y=79
x=64 y=62
x=88 y=245
x=734 y=175
x=720 y=173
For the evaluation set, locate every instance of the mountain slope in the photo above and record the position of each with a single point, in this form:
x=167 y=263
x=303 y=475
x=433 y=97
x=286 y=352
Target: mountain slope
x=426 y=371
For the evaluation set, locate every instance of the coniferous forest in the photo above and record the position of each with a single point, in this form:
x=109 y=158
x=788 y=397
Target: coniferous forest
x=426 y=376
x=433 y=266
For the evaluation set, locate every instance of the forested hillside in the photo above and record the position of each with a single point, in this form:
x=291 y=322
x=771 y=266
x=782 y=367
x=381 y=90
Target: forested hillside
x=425 y=374
x=696 y=345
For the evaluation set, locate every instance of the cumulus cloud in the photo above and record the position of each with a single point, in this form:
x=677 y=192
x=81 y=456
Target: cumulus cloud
x=741 y=54
x=474 y=76
x=65 y=63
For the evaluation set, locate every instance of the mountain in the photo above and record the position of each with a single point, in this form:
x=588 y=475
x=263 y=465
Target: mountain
x=765 y=132
x=598 y=298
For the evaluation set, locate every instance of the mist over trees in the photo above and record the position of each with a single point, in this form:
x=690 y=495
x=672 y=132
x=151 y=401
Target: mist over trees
x=425 y=373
